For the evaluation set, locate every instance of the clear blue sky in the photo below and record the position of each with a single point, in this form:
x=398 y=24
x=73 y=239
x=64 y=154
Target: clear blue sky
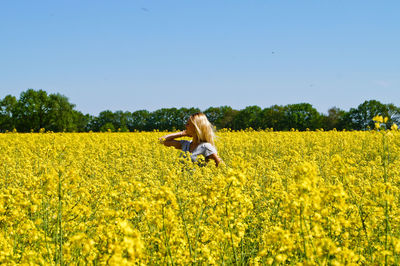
x=131 y=55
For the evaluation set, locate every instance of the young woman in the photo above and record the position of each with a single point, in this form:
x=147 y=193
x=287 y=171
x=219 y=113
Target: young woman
x=200 y=129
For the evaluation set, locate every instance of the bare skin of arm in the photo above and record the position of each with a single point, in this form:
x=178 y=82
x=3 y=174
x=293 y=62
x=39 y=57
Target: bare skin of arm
x=169 y=140
x=216 y=158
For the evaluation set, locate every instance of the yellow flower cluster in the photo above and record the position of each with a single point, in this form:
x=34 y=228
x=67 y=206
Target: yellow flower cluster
x=379 y=120
x=299 y=198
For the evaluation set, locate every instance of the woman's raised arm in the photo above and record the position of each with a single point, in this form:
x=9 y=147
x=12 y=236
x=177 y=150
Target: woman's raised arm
x=216 y=158
x=169 y=140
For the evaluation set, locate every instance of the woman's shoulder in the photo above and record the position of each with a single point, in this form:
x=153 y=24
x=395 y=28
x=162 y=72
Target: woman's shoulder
x=206 y=149
x=207 y=145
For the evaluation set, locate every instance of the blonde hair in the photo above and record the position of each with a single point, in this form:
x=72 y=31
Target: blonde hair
x=204 y=129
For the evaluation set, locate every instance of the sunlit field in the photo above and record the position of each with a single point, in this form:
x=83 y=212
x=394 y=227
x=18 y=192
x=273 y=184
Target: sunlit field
x=327 y=198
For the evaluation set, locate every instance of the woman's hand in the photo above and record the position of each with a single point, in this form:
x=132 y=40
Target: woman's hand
x=169 y=140
x=185 y=134
x=173 y=136
x=216 y=158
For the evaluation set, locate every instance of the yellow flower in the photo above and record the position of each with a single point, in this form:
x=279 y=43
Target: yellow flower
x=299 y=197
x=378 y=119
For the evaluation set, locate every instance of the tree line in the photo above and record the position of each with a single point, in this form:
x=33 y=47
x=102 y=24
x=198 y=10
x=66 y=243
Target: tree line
x=36 y=110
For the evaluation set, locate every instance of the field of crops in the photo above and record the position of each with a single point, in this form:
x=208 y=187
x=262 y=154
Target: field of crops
x=327 y=198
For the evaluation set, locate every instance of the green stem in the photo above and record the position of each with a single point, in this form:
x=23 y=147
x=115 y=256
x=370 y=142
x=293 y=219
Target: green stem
x=184 y=223
x=229 y=227
x=302 y=232
x=166 y=237
x=385 y=177
x=59 y=218
x=198 y=232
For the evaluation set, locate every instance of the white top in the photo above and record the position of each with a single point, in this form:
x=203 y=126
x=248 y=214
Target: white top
x=204 y=148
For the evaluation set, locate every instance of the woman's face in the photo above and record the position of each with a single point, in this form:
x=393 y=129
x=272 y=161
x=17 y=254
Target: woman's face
x=190 y=130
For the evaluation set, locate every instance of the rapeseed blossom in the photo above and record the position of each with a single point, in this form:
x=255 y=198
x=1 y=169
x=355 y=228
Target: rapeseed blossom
x=122 y=199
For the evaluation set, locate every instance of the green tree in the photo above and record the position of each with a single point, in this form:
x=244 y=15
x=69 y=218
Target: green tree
x=60 y=114
x=360 y=118
x=81 y=121
x=228 y=119
x=103 y=121
x=393 y=113
x=336 y=118
x=36 y=109
x=121 y=120
x=248 y=117
x=273 y=117
x=161 y=119
x=31 y=111
x=138 y=120
x=107 y=127
x=7 y=113
x=221 y=117
x=302 y=116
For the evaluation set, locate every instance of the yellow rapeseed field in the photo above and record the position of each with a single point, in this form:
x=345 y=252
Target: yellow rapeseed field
x=326 y=198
